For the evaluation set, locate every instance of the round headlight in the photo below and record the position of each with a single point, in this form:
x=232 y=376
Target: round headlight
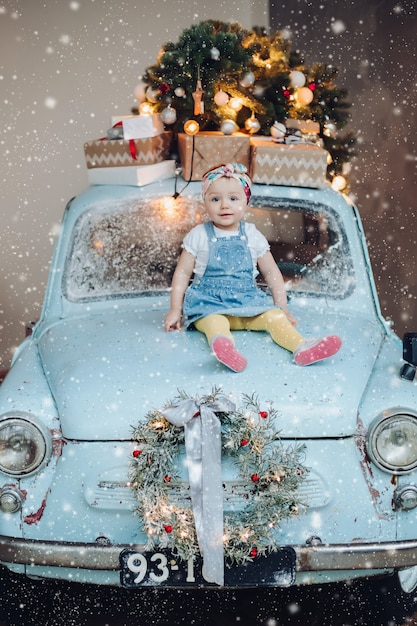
x=392 y=442
x=24 y=445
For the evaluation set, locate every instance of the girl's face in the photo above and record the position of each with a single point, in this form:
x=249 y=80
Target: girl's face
x=226 y=203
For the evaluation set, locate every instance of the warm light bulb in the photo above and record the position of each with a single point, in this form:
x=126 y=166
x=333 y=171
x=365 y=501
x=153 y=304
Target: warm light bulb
x=145 y=108
x=339 y=183
x=191 y=127
x=236 y=104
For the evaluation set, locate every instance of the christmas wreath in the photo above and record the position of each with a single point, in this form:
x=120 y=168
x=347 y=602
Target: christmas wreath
x=270 y=472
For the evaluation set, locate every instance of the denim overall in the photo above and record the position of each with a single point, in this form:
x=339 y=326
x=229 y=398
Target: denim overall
x=227 y=285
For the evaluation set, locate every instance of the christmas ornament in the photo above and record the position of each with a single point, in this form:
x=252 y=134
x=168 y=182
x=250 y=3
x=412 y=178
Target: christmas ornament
x=221 y=98
x=247 y=79
x=278 y=131
x=164 y=88
x=198 y=97
x=215 y=53
x=140 y=92
x=252 y=125
x=169 y=115
x=297 y=79
x=179 y=92
x=269 y=473
x=304 y=96
x=228 y=127
x=152 y=94
x=258 y=91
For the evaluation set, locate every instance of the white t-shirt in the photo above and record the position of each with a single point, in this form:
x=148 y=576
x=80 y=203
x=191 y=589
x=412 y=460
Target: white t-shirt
x=196 y=243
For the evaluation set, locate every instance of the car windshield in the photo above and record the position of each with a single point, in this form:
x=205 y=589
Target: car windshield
x=130 y=248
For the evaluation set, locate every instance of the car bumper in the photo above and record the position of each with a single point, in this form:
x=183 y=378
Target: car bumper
x=330 y=557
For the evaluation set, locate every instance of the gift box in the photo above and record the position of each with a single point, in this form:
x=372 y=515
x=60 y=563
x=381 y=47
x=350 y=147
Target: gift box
x=139 y=126
x=297 y=164
x=199 y=153
x=123 y=152
x=305 y=126
x=135 y=176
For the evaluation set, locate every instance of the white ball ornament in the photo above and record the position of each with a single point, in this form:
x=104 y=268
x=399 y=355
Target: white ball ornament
x=278 y=130
x=152 y=94
x=215 y=54
x=228 y=127
x=304 y=96
x=179 y=92
x=140 y=92
x=221 y=98
x=168 y=115
x=248 y=79
x=297 y=79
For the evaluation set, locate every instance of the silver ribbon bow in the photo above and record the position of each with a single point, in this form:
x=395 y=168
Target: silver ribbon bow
x=202 y=431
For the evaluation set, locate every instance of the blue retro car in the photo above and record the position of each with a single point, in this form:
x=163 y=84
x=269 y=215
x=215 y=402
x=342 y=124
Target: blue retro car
x=98 y=364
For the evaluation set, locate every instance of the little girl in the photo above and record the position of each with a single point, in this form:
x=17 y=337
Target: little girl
x=224 y=254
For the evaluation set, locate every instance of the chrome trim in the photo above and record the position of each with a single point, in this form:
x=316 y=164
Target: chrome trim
x=93 y=556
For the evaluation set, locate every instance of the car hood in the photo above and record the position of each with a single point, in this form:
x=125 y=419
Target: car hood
x=107 y=372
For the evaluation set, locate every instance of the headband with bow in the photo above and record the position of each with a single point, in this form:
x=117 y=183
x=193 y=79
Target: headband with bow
x=231 y=170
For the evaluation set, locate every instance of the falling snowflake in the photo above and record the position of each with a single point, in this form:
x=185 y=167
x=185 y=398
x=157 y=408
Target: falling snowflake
x=50 y=103
x=338 y=27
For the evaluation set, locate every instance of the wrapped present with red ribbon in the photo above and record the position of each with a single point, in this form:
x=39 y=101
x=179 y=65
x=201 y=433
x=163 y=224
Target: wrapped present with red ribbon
x=127 y=152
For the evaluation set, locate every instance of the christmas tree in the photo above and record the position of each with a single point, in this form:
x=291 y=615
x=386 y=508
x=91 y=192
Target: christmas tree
x=224 y=76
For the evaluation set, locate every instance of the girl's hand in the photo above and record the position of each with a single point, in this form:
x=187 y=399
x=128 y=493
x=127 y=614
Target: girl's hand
x=173 y=320
x=293 y=321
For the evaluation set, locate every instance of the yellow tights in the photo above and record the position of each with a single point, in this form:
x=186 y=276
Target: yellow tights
x=274 y=321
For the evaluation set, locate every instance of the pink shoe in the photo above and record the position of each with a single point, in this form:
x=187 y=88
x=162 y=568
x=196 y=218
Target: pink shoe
x=313 y=350
x=225 y=352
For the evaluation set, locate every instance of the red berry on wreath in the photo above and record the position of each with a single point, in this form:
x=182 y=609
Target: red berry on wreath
x=255 y=478
x=263 y=414
x=136 y=453
x=254 y=552
x=167 y=478
x=244 y=442
x=168 y=528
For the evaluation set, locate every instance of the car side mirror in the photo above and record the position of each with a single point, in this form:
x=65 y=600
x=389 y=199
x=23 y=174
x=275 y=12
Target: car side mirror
x=408 y=370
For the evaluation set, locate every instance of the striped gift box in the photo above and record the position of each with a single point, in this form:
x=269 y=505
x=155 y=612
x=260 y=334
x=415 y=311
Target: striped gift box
x=127 y=152
x=296 y=164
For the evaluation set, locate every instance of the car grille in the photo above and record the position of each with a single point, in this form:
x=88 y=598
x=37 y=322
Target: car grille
x=117 y=494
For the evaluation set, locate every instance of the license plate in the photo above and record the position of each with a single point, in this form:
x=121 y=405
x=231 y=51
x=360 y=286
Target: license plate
x=162 y=569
